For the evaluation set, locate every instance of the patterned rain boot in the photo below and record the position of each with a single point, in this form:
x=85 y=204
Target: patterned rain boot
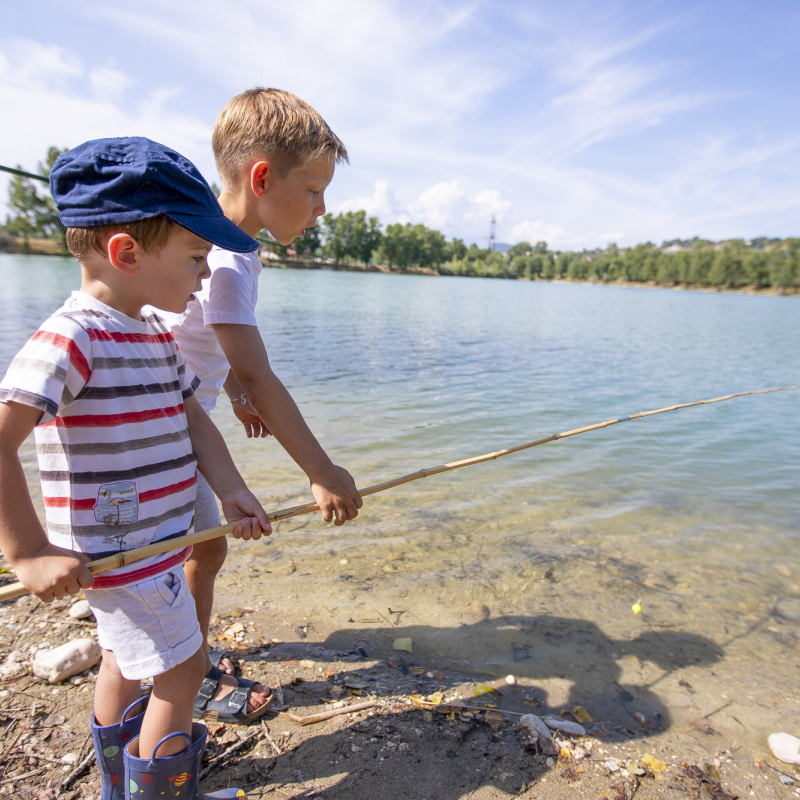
x=109 y=742
x=171 y=776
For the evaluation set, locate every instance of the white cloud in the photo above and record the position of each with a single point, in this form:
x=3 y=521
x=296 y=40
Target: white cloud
x=537 y=231
x=109 y=82
x=611 y=237
x=382 y=203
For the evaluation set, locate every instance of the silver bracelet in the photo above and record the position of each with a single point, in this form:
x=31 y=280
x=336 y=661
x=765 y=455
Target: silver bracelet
x=242 y=398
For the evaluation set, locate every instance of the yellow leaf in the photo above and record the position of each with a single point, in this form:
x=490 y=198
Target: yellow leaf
x=653 y=763
x=582 y=716
x=403 y=644
x=493 y=719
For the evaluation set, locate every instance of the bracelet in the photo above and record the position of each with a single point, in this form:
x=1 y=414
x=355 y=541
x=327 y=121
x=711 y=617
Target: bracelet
x=242 y=398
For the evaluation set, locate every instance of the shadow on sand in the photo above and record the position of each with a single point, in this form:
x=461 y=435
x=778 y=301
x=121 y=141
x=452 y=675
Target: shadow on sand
x=561 y=662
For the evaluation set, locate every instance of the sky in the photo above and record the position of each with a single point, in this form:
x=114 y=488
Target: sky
x=576 y=123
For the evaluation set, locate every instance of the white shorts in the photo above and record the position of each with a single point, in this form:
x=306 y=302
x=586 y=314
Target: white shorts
x=150 y=626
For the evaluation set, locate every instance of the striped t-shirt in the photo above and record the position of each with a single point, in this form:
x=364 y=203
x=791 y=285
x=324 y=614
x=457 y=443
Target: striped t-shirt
x=115 y=459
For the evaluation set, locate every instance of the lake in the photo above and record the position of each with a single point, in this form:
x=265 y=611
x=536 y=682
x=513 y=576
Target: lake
x=695 y=513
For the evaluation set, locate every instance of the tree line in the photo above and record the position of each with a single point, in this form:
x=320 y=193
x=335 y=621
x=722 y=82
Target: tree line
x=353 y=236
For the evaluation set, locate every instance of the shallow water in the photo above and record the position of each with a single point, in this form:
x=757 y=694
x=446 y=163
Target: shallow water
x=696 y=513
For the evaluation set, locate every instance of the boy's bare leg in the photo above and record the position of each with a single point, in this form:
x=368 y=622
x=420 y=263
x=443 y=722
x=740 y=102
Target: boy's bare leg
x=112 y=692
x=201 y=571
x=170 y=707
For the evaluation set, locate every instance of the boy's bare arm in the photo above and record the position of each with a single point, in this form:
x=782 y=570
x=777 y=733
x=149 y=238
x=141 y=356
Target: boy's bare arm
x=333 y=488
x=47 y=571
x=215 y=463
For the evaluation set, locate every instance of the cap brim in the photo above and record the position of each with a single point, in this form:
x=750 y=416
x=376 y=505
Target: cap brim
x=217 y=230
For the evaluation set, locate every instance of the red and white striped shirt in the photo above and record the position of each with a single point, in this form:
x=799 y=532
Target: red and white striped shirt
x=115 y=459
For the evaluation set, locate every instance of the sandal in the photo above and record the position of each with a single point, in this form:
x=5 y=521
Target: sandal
x=216 y=656
x=233 y=707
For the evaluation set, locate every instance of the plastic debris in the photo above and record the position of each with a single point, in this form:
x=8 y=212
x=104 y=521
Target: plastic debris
x=785 y=747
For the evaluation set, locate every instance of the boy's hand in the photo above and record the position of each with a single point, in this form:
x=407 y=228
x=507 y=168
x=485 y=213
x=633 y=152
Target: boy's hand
x=248 y=416
x=337 y=496
x=52 y=572
x=244 y=506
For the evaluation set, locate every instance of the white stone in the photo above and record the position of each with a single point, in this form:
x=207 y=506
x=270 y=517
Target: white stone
x=69 y=659
x=80 y=610
x=611 y=766
x=511 y=680
x=565 y=726
x=785 y=747
x=69 y=758
x=13 y=666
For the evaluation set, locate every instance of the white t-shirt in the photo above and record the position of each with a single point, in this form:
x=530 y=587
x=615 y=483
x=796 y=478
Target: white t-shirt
x=229 y=296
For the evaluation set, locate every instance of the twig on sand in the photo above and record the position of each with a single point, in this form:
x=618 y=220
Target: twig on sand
x=20 y=777
x=67 y=782
x=265 y=731
x=215 y=762
x=321 y=717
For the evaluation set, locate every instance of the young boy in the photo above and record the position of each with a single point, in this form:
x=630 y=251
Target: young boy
x=276 y=156
x=120 y=437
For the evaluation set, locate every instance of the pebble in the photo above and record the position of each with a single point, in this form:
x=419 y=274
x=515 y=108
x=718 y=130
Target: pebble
x=786 y=780
x=537 y=732
x=550 y=762
x=785 y=747
x=344 y=562
x=13 y=667
x=565 y=726
x=80 y=610
x=788 y=608
x=69 y=758
x=69 y=659
x=511 y=680
x=611 y=766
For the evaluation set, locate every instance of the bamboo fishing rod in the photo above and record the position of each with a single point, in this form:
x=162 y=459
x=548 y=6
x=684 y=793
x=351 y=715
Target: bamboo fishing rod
x=135 y=554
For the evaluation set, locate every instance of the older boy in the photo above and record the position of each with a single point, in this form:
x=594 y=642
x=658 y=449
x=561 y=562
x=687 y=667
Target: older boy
x=276 y=156
x=120 y=437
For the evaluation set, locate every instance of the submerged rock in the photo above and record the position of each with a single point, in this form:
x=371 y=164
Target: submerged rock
x=69 y=659
x=785 y=747
x=788 y=608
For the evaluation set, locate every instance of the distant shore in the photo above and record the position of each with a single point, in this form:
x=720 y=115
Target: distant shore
x=54 y=247
x=347 y=266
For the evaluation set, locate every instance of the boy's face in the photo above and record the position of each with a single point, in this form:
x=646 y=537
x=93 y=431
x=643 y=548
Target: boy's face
x=292 y=203
x=171 y=275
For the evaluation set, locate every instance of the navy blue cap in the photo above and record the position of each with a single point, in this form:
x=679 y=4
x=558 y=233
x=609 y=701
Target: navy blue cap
x=111 y=181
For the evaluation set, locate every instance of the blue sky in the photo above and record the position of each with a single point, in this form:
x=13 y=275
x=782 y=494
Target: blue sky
x=580 y=123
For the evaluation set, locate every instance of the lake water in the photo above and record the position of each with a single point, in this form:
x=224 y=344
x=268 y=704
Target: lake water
x=529 y=564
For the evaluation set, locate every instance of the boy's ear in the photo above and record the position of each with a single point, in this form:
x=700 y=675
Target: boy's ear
x=260 y=177
x=123 y=253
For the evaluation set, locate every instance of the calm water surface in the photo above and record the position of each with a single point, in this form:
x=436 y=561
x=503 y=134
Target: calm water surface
x=696 y=513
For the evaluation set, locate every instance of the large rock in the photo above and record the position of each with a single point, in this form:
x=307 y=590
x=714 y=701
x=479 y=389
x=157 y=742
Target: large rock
x=69 y=659
x=785 y=747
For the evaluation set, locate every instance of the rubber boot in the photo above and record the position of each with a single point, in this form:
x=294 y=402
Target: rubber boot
x=109 y=742
x=171 y=776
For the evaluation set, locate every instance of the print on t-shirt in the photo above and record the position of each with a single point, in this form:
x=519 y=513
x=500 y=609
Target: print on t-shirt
x=117 y=504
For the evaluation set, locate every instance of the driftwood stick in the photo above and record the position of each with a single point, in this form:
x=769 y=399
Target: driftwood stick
x=214 y=763
x=156 y=548
x=311 y=719
x=67 y=782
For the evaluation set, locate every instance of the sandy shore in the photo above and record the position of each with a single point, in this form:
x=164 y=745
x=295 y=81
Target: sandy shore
x=434 y=733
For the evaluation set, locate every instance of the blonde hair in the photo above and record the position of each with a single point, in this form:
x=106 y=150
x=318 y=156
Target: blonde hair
x=271 y=124
x=152 y=234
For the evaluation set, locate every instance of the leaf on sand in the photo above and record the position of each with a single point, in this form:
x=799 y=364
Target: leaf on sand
x=582 y=716
x=652 y=763
x=403 y=644
x=484 y=689
x=493 y=719
x=760 y=764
